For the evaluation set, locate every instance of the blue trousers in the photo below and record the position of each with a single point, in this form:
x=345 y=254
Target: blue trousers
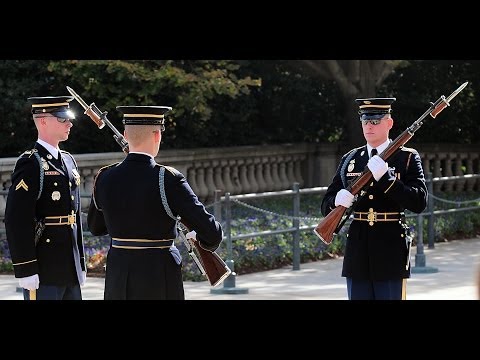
x=52 y=292
x=375 y=290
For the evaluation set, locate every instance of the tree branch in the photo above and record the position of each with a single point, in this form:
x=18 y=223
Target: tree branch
x=387 y=69
x=317 y=68
x=345 y=85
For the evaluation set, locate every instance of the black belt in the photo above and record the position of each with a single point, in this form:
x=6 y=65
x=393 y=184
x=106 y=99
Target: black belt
x=60 y=220
x=373 y=216
x=140 y=244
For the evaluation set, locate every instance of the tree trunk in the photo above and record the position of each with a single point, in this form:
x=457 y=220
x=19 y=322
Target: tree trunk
x=355 y=79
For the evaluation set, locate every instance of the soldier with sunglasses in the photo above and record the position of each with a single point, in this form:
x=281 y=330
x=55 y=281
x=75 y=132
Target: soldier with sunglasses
x=377 y=260
x=43 y=217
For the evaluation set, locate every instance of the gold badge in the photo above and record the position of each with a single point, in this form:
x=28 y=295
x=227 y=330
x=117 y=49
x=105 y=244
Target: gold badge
x=21 y=185
x=371 y=216
x=56 y=195
x=49 y=157
x=76 y=175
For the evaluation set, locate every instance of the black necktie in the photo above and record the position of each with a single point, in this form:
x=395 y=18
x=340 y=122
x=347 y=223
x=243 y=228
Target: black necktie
x=373 y=153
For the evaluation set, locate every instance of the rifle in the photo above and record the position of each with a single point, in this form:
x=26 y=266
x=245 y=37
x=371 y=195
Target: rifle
x=208 y=262
x=329 y=225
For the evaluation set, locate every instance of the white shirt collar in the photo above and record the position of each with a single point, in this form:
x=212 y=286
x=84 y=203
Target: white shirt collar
x=379 y=148
x=142 y=153
x=51 y=149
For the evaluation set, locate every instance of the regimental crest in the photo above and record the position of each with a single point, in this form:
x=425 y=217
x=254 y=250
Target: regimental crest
x=45 y=164
x=351 y=165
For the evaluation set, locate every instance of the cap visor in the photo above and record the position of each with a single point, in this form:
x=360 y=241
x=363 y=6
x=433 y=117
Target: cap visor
x=66 y=114
x=372 y=116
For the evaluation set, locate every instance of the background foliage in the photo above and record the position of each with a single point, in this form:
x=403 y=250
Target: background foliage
x=232 y=102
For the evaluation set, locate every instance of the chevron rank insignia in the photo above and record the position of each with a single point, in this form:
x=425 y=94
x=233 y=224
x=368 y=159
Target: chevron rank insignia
x=21 y=185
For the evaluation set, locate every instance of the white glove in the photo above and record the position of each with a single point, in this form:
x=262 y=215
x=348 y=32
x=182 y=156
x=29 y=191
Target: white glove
x=344 y=198
x=84 y=278
x=29 y=282
x=377 y=166
x=191 y=235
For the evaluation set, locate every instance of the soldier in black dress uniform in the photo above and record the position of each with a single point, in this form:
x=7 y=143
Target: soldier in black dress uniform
x=376 y=262
x=45 y=194
x=143 y=262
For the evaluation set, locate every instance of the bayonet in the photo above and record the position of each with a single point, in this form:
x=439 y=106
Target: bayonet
x=455 y=93
x=443 y=102
x=100 y=118
x=78 y=98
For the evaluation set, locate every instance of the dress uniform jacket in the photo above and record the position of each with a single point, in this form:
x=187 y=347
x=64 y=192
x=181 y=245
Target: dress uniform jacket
x=126 y=203
x=378 y=250
x=58 y=257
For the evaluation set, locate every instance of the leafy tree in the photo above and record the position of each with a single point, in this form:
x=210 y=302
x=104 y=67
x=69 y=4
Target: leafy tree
x=20 y=79
x=424 y=81
x=354 y=79
x=189 y=86
x=292 y=106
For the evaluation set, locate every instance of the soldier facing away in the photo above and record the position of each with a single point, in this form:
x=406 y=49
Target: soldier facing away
x=42 y=216
x=143 y=262
x=376 y=263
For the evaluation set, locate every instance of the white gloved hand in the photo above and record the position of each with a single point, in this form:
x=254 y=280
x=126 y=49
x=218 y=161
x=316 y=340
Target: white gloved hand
x=191 y=235
x=344 y=198
x=29 y=282
x=84 y=278
x=377 y=166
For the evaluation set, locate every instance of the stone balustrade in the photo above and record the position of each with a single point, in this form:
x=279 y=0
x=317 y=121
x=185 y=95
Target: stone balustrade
x=250 y=169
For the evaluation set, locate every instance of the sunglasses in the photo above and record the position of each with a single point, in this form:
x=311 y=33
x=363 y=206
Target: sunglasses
x=373 y=122
x=59 y=119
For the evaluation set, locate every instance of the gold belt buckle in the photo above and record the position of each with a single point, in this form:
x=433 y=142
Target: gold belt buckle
x=371 y=217
x=71 y=219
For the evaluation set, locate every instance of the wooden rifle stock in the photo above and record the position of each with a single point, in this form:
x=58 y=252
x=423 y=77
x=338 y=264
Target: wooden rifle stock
x=209 y=263
x=215 y=268
x=329 y=225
